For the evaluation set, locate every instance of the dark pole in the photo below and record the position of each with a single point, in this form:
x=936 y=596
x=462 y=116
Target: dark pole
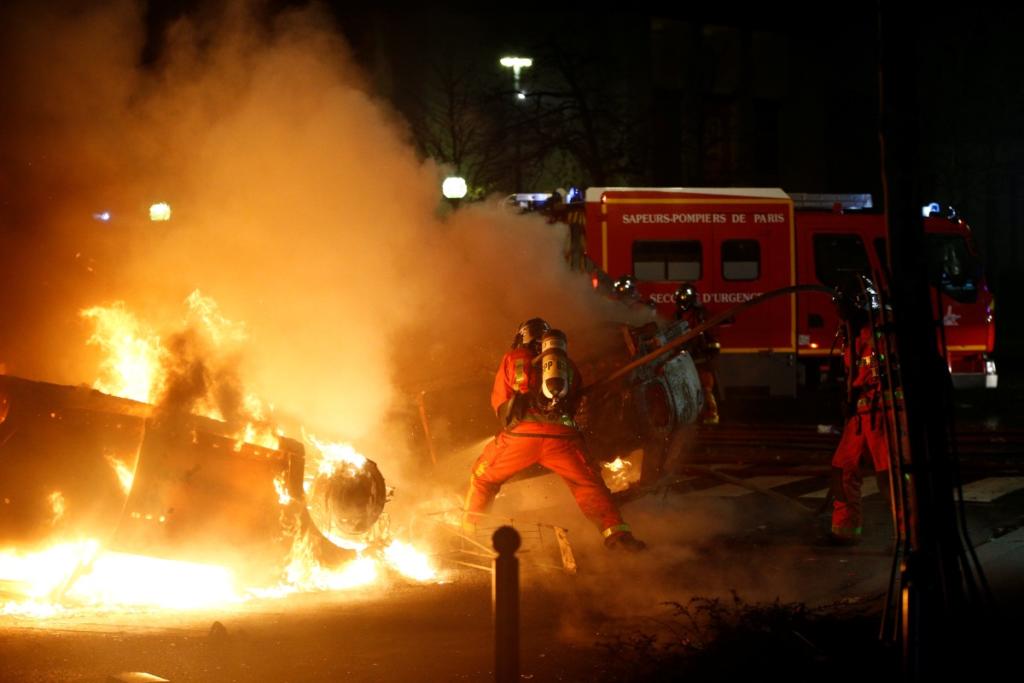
x=505 y=601
x=932 y=595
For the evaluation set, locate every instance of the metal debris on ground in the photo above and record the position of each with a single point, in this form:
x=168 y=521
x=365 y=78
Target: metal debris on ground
x=136 y=677
x=544 y=546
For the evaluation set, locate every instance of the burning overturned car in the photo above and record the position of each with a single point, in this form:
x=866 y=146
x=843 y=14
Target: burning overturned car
x=111 y=501
x=95 y=481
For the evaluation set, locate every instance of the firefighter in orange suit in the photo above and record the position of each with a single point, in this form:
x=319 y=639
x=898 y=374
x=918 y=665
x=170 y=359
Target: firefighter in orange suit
x=536 y=403
x=704 y=349
x=866 y=429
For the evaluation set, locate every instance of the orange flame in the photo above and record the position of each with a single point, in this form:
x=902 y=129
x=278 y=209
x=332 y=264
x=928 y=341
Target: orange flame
x=620 y=474
x=58 y=505
x=125 y=476
x=132 y=366
x=71 y=575
x=335 y=456
x=76 y=575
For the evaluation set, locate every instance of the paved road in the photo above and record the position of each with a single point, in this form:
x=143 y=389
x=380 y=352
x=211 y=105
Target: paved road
x=708 y=539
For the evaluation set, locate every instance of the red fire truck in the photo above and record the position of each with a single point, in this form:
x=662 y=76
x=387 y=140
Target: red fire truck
x=736 y=243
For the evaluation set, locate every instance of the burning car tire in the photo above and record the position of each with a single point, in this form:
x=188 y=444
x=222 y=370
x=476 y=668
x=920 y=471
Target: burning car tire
x=348 y=501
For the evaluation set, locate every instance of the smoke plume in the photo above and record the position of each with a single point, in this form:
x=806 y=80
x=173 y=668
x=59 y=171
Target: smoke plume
x=298 y=205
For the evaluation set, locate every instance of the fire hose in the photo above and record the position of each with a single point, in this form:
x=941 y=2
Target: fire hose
x=690 y=335
x=703 y=327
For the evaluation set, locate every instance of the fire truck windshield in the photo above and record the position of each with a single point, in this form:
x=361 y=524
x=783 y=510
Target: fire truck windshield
x=953 y=266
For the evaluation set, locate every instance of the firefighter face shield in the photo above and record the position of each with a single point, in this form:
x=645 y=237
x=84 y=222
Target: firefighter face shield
x=530 y=333
x=855 y=297
x=625 y=287
x=685 y=297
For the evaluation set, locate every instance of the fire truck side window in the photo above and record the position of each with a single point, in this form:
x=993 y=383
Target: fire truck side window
x=667 y=261
x=741 y=259
x=838 y=254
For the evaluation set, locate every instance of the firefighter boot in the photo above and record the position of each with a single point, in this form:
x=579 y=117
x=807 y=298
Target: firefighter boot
x=709 y=414
x=624 y=541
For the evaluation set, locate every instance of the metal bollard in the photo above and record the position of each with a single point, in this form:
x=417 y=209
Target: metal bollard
x=505 y=602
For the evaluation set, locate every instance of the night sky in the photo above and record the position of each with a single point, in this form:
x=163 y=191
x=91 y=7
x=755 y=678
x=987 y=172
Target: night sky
x=730 y=95
x=701 y=96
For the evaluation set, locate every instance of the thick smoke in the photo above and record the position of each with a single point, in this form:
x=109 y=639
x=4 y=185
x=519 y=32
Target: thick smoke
x=298 y=203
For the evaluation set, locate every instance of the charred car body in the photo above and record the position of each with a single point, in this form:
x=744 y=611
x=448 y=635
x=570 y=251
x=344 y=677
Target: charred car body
x=77 y=463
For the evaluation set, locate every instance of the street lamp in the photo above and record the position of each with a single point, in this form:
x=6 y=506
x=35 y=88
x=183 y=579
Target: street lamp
x=454 y=188
x=161 y=211
x=517 y=64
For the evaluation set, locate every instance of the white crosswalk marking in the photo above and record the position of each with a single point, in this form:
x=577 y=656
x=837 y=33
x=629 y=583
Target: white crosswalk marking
x=868 y=488
x=733 y=491
x=987 y=490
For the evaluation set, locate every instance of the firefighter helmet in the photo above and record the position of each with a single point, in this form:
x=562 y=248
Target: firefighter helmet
x=530 y=333
x=855 y=296
x=685 y=296
x=625 y=286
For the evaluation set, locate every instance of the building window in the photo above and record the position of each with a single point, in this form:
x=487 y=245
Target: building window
x=667 y=261
x=741 y=259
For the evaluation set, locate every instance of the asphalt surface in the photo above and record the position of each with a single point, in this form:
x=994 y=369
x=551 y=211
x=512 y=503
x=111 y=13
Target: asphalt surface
x=744 y=550
x=718 y=561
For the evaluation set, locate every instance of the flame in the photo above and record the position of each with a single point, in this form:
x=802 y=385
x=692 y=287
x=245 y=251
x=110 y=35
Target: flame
x=204 y=313
x=38 y=576
x=132 y=366
x=81 y=574
x=125 y=476
x=336 y=455
x=283 y=497
x=75 y=575
x=409 y=562
x=122 y=580
x=620 y=474
x=58 y=505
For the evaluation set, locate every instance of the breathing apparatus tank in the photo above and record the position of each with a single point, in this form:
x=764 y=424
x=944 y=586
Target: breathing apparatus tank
x=555 y=373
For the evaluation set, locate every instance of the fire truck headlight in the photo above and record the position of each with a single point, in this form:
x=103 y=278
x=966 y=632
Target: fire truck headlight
x=991 y=377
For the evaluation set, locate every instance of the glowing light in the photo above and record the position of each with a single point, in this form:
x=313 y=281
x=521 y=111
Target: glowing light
x=517 y=64
x=454 y=187
x=103 y=216
x=125 y=476
x=161 y=211
x=814 y=345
